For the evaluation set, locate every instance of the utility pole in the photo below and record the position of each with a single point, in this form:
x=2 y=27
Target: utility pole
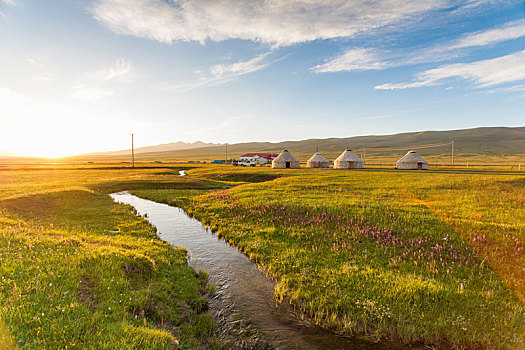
x=226 y=159
x=452 y=142
x=364 y=154
x=132 y=152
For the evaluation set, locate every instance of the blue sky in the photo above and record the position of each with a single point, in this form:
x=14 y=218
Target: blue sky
x=80 y=76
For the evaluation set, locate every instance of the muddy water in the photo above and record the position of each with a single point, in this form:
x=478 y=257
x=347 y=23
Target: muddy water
x=243 y=303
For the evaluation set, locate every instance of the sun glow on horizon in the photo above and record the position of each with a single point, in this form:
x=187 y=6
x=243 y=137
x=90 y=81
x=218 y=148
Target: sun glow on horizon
x=59 y=136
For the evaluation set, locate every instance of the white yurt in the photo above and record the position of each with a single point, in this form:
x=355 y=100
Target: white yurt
x=412 y=161
x=349 y=160
x=318 y=161
x=285 y=160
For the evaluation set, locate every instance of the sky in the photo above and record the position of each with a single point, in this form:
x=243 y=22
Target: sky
x=79 y=76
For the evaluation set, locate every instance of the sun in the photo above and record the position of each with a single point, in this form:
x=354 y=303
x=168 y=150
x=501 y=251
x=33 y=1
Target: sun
x=60 y=133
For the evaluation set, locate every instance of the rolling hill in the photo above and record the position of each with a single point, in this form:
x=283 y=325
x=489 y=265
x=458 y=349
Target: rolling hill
x=166 y=147
x=489 y=143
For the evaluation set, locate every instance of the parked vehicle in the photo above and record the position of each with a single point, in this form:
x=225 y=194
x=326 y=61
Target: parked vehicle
x=247 y=163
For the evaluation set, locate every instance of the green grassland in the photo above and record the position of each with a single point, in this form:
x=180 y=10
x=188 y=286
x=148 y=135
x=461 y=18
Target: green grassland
x=433 y=257
x=78 y=270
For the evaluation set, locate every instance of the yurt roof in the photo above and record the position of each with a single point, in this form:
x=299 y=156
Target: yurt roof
x=286 y=156
x=318 y=157
x=348 y=156
x=412 y=157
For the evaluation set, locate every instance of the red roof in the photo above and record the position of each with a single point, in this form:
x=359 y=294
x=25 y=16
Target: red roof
x=263 y=155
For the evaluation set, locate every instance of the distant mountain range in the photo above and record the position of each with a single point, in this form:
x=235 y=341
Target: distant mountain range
x=165 y=147
x=488 y=142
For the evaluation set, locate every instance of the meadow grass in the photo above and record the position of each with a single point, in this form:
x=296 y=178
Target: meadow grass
x=434 y=257
x=78 y=270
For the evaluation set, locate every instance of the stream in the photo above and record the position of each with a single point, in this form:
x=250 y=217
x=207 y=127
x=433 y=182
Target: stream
x=243 y=303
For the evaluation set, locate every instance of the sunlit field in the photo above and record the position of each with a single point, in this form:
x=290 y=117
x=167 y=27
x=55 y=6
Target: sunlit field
x=80 y=271
x=434 y=257
x=103 y=103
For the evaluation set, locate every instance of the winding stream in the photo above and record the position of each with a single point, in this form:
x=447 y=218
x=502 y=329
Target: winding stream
x=243 y=303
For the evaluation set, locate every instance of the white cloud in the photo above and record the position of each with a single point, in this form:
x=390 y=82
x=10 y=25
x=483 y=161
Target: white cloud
x=240 y=68
x=511 y=89
x=43 y=73
x=509 y=31
x=33 y=62
x=6 y=3
x=376 y=117
x=45 y=78
x=119 y=70
x=90 y=93
x=227 y=125
x=274 y=22
x=485 y=73
x=400 y=86
x=374 y=59
x=94 y=85
x=12 y=99
x=353 y=59
x=222 y=73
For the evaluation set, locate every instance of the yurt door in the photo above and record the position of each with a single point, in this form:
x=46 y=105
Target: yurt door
x=419 y=166
x=287 y=165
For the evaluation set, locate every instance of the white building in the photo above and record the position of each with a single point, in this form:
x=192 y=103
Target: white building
x=259 y=158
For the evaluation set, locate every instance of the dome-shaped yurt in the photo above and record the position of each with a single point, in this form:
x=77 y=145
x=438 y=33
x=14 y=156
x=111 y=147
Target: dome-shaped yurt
x=318 y=161
x=285 y=160
x=349 y=160
x=412 y=161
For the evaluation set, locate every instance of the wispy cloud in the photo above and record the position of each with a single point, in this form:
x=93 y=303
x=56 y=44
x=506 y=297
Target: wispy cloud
x=228 y=125
x=511 y=89
x=100 y=84
x=90 y=93
x=119 y=70
x=377 y=117
x=485 y=73
x=5 y=3
x=353 y=59
x=375 y=59
x=223 y=73
x=45 y=78
x=43 y=74
x=455 y=48
x=508 y=31
x=10 y=98
x=34 y=62
x=278 y=23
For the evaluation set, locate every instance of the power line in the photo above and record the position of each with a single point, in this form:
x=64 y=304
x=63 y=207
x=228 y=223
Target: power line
x=132 y=152
x=452 y=142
